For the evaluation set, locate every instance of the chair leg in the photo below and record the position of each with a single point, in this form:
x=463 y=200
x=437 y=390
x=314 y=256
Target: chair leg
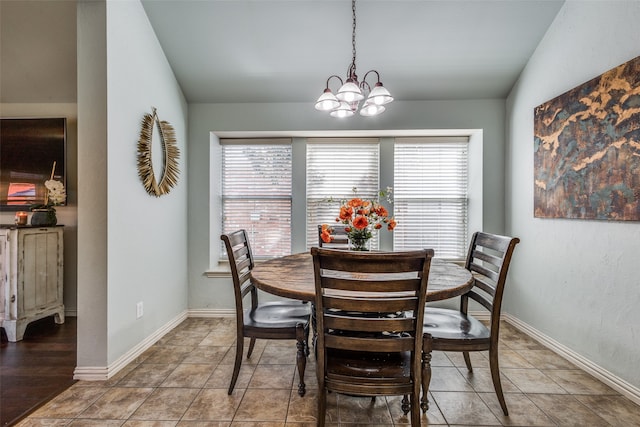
x=252 y=344
x=495 y=376
x=306 y=342
x=301 y=358
x=426 y=371
x=405 y=406
x=415 y=410
x=238 y=362
x=314 y=328
x=322 y=403
x=467 y=360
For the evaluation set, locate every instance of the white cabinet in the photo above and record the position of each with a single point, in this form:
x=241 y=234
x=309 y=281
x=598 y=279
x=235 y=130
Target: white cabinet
x=31 y=265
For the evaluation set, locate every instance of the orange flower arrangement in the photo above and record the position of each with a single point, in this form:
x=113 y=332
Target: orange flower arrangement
x=361 y=216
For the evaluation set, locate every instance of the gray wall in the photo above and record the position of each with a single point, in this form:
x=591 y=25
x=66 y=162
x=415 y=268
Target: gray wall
x=575 y=281
x=92 y=340
x=210 y=293
x=132 y=246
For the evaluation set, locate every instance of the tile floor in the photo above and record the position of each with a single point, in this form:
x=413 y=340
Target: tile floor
x=182 y=381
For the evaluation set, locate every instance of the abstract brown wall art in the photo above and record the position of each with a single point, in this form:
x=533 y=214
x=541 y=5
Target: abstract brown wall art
x=587 y=149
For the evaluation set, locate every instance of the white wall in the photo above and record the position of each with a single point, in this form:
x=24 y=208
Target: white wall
x=132 y=246
x=575 y=281
x=92 y=340
x=147 y=246
x=488 y=115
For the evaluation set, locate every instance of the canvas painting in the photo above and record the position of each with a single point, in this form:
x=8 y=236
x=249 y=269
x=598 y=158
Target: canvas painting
x=587 y=149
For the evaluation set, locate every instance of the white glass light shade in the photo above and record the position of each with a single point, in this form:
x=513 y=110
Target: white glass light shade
x=344 y=110
x=371 y=109
x=349 y=92
x=380 y=95
x=327 y=101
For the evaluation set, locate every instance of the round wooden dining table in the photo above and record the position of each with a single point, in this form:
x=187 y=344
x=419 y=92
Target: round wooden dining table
x=292 y=277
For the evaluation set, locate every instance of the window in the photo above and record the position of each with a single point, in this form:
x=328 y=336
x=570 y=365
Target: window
x=256 y=193
x=430 y=195
x=335 y=166
x=278 y=189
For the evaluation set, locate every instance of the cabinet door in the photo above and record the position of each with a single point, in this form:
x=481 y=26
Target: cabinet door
x=40 y=265
x=4 y=273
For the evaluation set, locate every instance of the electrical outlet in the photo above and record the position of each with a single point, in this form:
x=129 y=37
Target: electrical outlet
x=139 y=310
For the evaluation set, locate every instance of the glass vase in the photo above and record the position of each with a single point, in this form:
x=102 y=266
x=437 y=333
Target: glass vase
x=359 y=240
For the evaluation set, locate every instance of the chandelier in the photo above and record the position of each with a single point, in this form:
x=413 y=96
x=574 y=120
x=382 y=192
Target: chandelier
x=346 y=101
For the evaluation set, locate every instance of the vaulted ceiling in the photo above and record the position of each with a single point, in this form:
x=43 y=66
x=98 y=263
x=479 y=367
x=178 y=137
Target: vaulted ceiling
x=284 y=50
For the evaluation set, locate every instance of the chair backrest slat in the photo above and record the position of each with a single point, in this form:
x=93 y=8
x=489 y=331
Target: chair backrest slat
x=370 y=305
x=246 y=288
x=485 y=269
x=481 y=299
x=366 y=324
x=243 y=265
x=493 y=241
x=491 y=259
x=377 y=345
x=373 y=263
x=389 y=285
x=485 y=284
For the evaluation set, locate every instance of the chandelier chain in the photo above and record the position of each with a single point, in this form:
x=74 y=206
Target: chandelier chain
x=353 y=39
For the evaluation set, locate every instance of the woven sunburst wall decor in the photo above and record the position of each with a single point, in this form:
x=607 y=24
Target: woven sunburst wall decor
x=170 y=155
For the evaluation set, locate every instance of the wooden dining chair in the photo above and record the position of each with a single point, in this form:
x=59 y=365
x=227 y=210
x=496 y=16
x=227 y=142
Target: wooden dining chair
x=488 y=261
x=340 y=238
x=267 y=320
x=370 y=356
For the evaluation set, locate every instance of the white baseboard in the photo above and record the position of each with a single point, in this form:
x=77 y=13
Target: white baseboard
x=91 y=373
x=100 y=373
x=613 y=381
x=209 y=312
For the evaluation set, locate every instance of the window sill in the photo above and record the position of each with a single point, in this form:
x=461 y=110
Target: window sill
x=220 y=270
x=224 y=270
x=215 y=274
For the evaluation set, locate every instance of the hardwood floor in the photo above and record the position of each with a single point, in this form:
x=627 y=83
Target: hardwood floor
x=34 y=370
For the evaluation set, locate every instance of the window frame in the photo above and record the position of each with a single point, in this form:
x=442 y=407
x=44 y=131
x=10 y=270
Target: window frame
x=282 y=194
x=219 y=266
x=432 y=197
x=370 y=190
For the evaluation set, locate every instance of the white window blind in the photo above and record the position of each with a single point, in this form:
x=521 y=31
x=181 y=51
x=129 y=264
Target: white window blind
x=256 y=193
x=334 y=167
x=430 y=195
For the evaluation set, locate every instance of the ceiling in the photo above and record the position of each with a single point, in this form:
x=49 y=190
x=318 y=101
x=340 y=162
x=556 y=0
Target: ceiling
x=225 y=51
